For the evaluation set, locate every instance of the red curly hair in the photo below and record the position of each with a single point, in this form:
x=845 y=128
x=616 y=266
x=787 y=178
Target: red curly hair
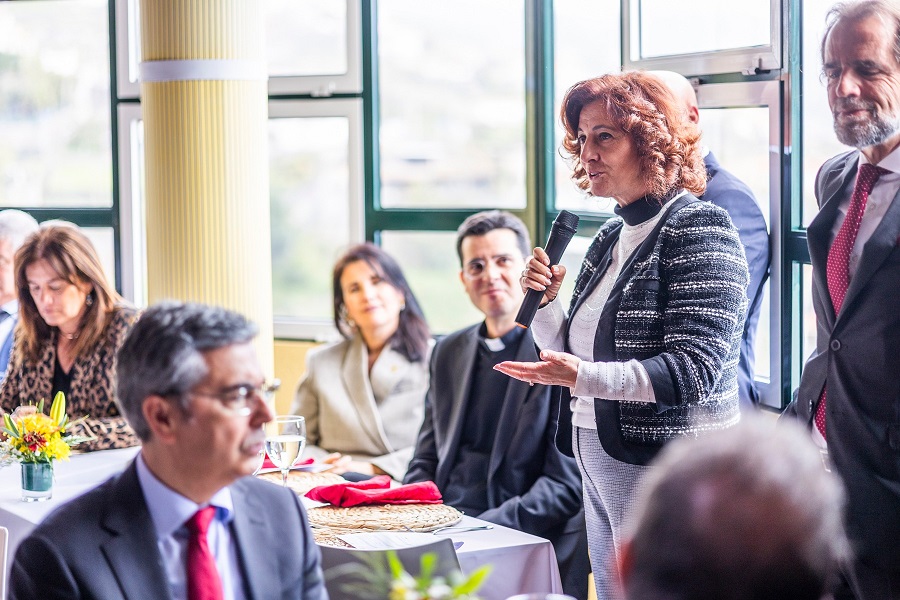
x=643 y=107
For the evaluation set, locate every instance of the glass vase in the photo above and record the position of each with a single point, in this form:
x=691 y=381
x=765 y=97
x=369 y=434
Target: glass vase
x=37 y=481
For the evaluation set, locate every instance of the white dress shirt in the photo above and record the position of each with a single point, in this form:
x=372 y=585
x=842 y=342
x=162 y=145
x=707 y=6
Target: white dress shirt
x=169 y=511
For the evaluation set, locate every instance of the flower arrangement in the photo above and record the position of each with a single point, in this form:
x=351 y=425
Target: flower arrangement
x=36 y=437
x=425 y=587
x=383 y=577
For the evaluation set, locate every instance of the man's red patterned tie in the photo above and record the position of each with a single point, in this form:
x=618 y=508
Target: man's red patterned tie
x=838 y=268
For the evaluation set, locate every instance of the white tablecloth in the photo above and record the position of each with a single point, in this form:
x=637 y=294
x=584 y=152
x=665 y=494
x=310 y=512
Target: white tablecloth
x=522 y=562
x=71 y=478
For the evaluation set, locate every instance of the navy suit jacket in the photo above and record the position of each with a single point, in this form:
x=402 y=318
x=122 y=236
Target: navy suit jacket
x=531 y=485
x=6 y=349
x=102 y=546
x=858 y=355
x=727 y=191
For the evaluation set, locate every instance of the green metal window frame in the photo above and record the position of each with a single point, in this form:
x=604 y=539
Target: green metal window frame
x=540 y=209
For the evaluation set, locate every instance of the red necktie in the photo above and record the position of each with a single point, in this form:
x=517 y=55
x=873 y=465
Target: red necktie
x=203 y=582
x=838 y=267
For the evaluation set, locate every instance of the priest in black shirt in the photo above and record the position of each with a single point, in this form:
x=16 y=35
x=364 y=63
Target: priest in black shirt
x=488 y=440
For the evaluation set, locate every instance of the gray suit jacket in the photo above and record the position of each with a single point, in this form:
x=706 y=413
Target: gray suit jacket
x=102 y=546
x=858 y=354
x=370 y=416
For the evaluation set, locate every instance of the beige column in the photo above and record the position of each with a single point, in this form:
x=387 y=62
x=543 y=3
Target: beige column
x=203 y=93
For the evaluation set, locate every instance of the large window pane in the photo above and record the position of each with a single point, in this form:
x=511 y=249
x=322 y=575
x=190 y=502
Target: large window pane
x=819 y=141
x=578 y=57
x=103 y=239
x=452 y=103
x=54 y=104
x=430 y=263
x=309 y=179
x=739 y=138
x=306 y=37
x=665 y=25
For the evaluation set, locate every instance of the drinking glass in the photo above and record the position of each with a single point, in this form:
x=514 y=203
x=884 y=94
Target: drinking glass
x=260 y=460
x=285 y=441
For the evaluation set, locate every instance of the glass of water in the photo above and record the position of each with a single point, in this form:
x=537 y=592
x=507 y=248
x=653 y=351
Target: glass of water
x=285 y=441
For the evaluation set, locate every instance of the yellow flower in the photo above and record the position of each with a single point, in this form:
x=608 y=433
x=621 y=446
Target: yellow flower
x=36 y=437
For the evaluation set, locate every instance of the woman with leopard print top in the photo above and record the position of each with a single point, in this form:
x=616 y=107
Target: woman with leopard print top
x=71 y=323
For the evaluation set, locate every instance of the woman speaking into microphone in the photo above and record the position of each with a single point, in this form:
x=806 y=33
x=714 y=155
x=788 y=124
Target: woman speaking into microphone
x=648 y=349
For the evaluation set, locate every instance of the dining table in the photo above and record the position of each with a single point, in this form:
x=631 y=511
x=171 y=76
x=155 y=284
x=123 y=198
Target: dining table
x=522 y=563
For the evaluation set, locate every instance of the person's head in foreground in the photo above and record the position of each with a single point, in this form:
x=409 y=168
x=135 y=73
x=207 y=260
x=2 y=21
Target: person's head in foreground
x=747 y=513
x=189 y=382
x=628 y=137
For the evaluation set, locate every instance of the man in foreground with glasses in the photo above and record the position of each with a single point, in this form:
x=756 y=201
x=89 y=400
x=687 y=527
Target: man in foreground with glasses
x=182 y=521
x=487 y=440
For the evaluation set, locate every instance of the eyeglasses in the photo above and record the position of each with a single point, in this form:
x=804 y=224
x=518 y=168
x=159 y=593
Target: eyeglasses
x=238 y=399
x=477 y=267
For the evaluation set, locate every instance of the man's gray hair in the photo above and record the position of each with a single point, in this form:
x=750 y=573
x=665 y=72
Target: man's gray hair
x=163 y=354
x=15 y=226
x=745 y=513
x=858 y=10
x=488 y=220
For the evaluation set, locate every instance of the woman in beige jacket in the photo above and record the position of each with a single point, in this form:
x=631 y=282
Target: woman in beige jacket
x=363 y=397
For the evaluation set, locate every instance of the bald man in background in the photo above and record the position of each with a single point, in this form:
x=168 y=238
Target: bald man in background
x=15 y=226
x=727 y=191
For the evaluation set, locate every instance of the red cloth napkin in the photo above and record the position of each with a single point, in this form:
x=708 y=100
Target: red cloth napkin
x=376 y=491
x=268 y=464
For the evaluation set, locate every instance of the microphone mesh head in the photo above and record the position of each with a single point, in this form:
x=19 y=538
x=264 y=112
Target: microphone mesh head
x=567 y=220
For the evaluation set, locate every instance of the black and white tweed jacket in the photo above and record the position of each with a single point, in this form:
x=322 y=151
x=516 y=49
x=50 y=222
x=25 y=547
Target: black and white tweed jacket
x=678 y=306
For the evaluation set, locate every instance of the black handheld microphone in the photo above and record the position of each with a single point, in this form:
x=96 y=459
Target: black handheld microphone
x=564 y=227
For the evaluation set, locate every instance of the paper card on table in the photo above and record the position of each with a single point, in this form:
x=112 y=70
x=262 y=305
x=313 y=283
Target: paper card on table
x=386 y=540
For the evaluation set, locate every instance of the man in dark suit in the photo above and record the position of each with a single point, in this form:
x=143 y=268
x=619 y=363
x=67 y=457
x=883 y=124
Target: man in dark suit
x=849 y=392
x=15 y=226
x=487 y=440
x=727 y=191
x=182 y=521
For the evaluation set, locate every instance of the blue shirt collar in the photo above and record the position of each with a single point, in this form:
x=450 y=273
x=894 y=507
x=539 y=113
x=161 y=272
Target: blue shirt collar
x=169 y=509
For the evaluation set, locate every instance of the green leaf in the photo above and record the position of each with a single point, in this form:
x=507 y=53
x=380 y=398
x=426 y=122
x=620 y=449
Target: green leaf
x=427 y=562
x=475 y=580
x=10 y=425
x=395 y=565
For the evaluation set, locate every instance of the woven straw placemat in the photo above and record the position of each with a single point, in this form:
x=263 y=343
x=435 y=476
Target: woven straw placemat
x=301 y=481
x=383 y=517
x=325 y=537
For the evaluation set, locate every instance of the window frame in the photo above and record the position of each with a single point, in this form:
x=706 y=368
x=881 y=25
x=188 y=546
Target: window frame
x=751 y=60
x=127 y=40
x=768 y=94
x=132 y=236
x=352 y=110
